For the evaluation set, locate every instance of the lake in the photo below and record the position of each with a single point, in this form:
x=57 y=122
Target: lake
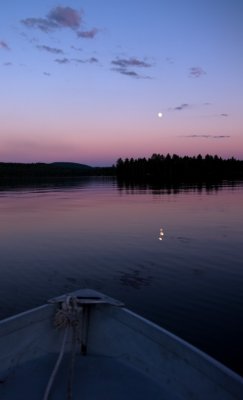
x=173 y=255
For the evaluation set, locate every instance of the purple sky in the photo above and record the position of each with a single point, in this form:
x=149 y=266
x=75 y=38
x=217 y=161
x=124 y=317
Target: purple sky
x=84 y=81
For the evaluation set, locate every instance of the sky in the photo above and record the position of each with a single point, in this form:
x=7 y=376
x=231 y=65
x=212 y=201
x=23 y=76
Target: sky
x=85 y=81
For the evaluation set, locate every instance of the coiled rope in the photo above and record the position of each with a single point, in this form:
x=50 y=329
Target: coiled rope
x=68 y=316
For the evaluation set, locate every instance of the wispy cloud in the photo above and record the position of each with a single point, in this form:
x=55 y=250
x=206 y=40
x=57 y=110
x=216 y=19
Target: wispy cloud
x=130 y=62
x=125 y=66
x=52 y=50
x=58 y=17
x=62 y=60
x=208 y=136
x=132 y=74
x=88 y=34
x=4 y=45
x=91 y=60
x=43 y=24
x=216 y=115
x=124 y=71
x=196 y=72
x=194 y=106
x=76 y=48
x=183 y=106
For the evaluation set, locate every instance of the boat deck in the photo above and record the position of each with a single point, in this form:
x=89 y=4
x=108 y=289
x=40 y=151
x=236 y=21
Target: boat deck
x=95 y=378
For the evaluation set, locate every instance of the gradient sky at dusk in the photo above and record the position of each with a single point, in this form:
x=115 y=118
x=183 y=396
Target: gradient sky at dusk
x=84 y=81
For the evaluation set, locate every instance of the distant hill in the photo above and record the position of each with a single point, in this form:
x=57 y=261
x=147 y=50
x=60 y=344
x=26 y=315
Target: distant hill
x=60 y=169
x=65 y=164
x=43 y=170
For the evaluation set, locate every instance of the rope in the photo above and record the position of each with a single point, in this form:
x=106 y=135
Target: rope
x=66 y=317
x=57 y=365
x=74 y=324
x=71 y=366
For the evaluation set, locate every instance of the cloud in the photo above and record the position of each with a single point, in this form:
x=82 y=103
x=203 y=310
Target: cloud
x=7 y=64
x=43 y=24
x=62 y=60
x=123 y=65
x=222 y=115
x=52 y=50
x=65 y=17
x=185 y=106
x=78 y=60
x=4 y=45
x=58 y=17
x=181 y=107
x=90 y=60
x=126 y=72
x=208 y=136
x=130 y=62
x=76 y=48
x=88 y=34
x=132 y=74
x=196 y=72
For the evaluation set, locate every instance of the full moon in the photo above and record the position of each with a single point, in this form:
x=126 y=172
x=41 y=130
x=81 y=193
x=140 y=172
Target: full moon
x=160 y=115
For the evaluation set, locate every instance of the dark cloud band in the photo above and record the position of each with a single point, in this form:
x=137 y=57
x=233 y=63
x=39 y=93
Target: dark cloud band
x=52 y=50
x=130 y=62
x=208 y=136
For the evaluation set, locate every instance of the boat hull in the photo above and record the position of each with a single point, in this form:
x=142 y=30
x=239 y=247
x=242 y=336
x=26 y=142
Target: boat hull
x=126 y=357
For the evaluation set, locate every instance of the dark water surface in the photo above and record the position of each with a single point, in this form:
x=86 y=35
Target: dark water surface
x=93 y=233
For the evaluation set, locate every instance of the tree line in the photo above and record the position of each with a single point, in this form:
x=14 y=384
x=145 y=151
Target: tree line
x=176 y=168
x=157 y=168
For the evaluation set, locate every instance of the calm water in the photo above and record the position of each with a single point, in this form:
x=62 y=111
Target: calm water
x=94 y=234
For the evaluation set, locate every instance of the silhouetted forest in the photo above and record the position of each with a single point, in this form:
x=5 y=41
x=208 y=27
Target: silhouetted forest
x=157 y=168
x=179 y=169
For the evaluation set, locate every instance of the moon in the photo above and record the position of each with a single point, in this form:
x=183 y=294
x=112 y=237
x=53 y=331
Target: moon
x=160 y=115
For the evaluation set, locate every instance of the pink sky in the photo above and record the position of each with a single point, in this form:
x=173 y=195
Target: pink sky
x=80 y=86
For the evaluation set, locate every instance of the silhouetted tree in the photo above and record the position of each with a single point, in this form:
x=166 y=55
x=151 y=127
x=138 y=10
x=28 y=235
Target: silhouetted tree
x=167 y=168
